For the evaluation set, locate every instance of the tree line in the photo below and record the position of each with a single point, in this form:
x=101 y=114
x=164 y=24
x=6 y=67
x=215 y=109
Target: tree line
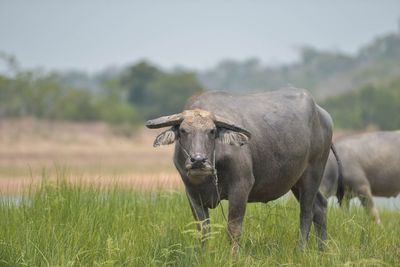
x=359 y=91
x=376 y=106
x=138 y=93
x=323 y=73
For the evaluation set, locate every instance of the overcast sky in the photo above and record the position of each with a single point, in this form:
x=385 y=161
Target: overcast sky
x=90 y=35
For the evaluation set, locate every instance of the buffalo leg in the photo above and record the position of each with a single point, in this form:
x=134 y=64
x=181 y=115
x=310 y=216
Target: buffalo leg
x=346 y=200
x=319 y=219
x=365 y=196
x=237 y=210
x=238 y=196
x=306 y=191
x=200 y=213
x=305 y=217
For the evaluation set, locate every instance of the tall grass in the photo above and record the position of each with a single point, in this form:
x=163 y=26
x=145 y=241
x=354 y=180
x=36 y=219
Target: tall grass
x=63 y=225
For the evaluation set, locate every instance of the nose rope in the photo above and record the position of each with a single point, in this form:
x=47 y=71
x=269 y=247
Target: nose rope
x=214 y=168
x=215 y=173
x=215 y=176
x=184 y=150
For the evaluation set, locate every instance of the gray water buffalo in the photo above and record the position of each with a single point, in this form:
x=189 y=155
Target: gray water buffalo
x=371 y=167
x=251 y=148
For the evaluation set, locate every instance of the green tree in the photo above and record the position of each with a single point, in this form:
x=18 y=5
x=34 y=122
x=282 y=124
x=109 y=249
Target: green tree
x=377 y=106
x=169 y=92
x=136 y=79
x=113 y=107
x=154 y=92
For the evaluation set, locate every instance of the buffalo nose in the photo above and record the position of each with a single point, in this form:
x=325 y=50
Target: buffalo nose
x=198 y=158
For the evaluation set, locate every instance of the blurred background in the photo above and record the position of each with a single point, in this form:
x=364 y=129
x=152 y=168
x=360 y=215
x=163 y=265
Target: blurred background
x=78 y=79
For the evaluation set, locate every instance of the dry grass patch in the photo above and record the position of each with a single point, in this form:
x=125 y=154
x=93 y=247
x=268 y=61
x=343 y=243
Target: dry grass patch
x=88 y=152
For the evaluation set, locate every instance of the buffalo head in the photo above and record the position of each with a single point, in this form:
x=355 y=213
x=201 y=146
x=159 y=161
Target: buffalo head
x=196 y=132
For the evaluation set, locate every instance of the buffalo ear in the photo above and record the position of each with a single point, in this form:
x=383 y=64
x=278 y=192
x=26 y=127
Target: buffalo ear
x=165 y=138
x=230 y=137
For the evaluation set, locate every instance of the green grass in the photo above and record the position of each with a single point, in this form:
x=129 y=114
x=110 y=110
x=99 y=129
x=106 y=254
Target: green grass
x=63 y=225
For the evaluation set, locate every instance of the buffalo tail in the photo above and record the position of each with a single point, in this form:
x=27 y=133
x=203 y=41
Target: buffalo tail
x=340 y=188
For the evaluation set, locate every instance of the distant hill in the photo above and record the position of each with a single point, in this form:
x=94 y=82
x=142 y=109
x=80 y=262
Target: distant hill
x=360 y=90
x=324 y=73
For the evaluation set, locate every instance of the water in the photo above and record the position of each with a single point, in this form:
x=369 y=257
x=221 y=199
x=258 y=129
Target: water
x=12 y=200
x=392 y=203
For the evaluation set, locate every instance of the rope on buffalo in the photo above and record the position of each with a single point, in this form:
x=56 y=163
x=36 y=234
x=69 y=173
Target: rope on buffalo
x=185 y=151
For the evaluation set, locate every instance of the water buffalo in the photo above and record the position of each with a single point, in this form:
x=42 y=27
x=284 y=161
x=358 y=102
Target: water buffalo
x=371 y=167
x=251 y=148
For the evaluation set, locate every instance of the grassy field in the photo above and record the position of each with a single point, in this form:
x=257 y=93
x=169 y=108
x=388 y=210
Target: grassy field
x=80 y=195
x=60 y=224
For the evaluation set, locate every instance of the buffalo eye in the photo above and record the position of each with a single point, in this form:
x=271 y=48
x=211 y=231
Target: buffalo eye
x=212 y=132
x=182 y=131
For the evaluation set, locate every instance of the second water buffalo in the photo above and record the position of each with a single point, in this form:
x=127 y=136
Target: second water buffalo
x=370 y=167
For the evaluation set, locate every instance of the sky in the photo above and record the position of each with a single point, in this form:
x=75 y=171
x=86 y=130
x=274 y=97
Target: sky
x=92 y=35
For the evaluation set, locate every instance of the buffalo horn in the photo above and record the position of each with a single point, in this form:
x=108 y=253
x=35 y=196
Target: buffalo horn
x=220 y=122
x=165 y=121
